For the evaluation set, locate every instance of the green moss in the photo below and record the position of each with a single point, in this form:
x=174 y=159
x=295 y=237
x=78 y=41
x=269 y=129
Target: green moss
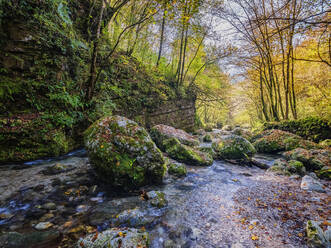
x=297 y=167
x=178 y=170
x=312 y=128
x=233 y=147
x=324 y=173
x=325 y=143
x=123 y=154
x=185 y=154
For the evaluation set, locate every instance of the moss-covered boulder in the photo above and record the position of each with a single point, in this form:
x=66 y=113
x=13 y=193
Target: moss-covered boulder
x=161 y=132
x=177 y=169
x=272 y=141
x=184 y=153
x=233 y=147
x=123 y=154
x=296 y=167
x=312 y=159
x=283 y=167
x=114 y=238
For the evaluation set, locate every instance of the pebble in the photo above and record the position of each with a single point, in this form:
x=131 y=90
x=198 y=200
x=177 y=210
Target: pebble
x=43 y=226
x=49 y=206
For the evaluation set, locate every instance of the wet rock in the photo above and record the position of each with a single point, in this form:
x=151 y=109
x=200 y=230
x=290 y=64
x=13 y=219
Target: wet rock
x=136 y=217
x=123 y=154
x=106 y=211
x=160 y=133
x=177 y=169
x=49 y=206
x=260 y=163
x=114 y=238
x=43 y=226
x=312 y=159
x=273 y=141
x=57 y=169
x=185 y=154
x=280 y=167
x=311 y=184
x=157 y=199
x=316 y=236
x=34 y=239
x=233 y=147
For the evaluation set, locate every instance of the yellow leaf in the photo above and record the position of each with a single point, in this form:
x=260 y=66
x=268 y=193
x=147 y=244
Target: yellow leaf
x=254 y=237
x=250 y=227
x=300 y=235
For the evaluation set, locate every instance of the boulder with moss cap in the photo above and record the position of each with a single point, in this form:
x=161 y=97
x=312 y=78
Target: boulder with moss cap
x=161 y=132
x=233 y=147
x=123 y=154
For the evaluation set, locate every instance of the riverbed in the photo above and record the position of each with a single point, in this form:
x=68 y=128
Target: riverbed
x=224 y=205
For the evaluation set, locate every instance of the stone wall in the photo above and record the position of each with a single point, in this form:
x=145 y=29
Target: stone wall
x=179 y=113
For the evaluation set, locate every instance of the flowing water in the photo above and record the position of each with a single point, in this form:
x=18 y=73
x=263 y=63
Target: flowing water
x=224 y=205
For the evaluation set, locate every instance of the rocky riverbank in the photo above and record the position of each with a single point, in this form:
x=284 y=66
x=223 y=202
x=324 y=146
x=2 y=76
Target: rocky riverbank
x=228 y=204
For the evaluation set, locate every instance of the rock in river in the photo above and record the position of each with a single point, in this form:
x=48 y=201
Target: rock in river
x=233 y=147
x=114 y=238
x=160 y=133
x=123 y=154
x=311 y=184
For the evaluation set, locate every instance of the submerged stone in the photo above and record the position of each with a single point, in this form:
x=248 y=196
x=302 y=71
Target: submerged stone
x=123 y=154
x=115 y=238
x=33 y=239
x=157 y=199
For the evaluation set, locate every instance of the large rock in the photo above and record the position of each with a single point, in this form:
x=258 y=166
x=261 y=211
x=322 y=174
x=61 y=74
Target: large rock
x=316 y=237
x=233 y=147
x=311 y=184
x=123 y=154
x=184 y=153
x=163 y=132
x=272 y=141
x=114 y=238
x=312 y=159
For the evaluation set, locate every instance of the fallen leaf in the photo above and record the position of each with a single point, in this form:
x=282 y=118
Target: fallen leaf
x=254 y=237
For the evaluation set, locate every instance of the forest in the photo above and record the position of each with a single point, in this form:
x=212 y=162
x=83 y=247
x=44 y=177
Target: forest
x=165 y=123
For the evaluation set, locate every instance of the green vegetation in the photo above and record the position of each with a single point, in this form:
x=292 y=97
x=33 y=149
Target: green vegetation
x=312 y=128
